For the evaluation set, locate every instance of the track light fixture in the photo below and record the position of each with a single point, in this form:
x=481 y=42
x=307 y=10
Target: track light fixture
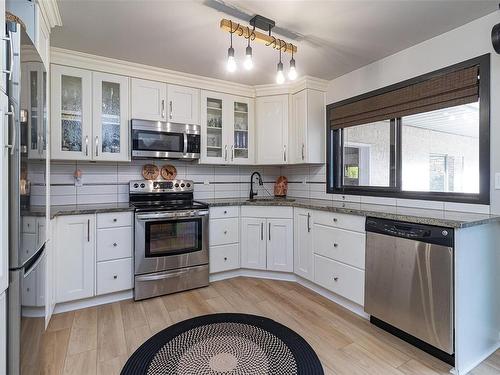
x=268 y=39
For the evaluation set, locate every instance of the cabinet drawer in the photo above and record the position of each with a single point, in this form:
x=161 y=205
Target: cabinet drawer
x=267 y=212
x=114 y=243
x=224 y=258
x=114 y=275
x=29 y=224
x=344 y=221
x=223 y=212
x=342 y=279
x=223 y=231
x=340 y=244
x=114 y=219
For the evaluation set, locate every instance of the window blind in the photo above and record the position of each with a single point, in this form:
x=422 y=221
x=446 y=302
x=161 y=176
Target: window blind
x=447 y=90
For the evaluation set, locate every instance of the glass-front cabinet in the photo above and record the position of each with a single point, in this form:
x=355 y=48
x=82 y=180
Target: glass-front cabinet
x=34 y=109
x=227 y=129
x=90 y=115
x=110 y=123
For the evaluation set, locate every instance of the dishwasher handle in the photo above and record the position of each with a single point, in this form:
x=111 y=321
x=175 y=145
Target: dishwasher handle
x=412 y=231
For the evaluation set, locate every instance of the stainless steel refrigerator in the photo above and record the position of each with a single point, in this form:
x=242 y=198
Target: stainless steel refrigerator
x=26 y=308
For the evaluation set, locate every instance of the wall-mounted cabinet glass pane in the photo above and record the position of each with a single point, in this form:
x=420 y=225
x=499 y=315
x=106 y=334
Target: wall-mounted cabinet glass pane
x=34 y=109
x=240 y=130
x=71 y=113
x=44 y=109
x=214 y=128
x=110 y=117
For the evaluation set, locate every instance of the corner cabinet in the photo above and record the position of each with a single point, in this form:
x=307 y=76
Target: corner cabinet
x=227 y=127
x=272 y=129
x=90 y=116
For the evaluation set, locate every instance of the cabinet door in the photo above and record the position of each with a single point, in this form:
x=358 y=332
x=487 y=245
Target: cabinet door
x=71 y=106
x=183 y=104
x=299 y=139
x=4 y=191
x=303 y=252
x=3 y=333
x=75 y=260
x=149 y=100
x=111 y=122
x=272 y=129
x=253 y=243
x=315 y=138
x=215 y=128
x=34 y=100
x=280 y=245
x=242 y=131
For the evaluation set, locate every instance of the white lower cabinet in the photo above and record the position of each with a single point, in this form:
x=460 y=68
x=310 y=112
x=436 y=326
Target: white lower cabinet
x=224 y=239
x=3 y=333
x=224 y=258
x=303 y=241
x=114 y=275
x=75 y=257
x=253 y=243
x=280 y=245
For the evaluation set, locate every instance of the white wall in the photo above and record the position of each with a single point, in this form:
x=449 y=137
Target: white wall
x=466 y=42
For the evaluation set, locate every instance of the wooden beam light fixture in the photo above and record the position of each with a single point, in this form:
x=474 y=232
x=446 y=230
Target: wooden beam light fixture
x=249 y=33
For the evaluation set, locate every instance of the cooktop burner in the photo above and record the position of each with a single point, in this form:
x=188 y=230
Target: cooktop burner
x=163 y=195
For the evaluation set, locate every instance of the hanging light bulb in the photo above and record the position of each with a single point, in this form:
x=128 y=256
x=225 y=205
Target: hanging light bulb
x=292 y=73
x=231 y=62
x=248 y=64
x=280 y=77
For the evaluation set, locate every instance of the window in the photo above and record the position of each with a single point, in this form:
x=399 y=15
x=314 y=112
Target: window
x=426 y=138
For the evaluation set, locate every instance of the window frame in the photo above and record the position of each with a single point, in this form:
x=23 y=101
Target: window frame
x=334 y=151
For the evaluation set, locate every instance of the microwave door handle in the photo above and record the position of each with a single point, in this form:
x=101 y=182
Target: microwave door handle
x=185 y=144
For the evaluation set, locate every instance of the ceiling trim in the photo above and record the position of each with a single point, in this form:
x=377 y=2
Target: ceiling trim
x=88 y=61
x=50 y=13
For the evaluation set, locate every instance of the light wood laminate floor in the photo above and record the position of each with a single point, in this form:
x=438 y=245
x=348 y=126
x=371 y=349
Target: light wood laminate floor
x=99 y=340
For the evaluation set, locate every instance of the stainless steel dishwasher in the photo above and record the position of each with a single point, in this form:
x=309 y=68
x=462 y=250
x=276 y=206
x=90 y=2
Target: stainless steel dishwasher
x=409 y=283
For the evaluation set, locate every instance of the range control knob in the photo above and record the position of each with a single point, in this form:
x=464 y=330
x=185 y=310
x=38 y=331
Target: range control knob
x=182 y=185
x=176 y=185
x=188 y=184
x=136 y=185
x=143 y=185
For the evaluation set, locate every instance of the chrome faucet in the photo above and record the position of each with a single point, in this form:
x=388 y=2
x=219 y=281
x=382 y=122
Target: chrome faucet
x=259 y=179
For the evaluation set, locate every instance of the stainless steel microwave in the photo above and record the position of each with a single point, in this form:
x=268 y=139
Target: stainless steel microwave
x=165 y=140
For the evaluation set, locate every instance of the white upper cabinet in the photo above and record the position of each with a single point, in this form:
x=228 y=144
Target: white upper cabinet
x=227 y=129
x=71 y=113
x=111 y=114
x=149 y=100
x=308 y=134
x=183 y=104
x=272 y=129
x=90 y=115
x=4 y=191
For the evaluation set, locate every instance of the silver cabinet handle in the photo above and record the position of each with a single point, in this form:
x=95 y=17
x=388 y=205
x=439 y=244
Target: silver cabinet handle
x=284 y=153
x=232 y=152
x=302 y=151
x=308 y=222
x=96 y=145
x=225 y=153
x=262 y=231
x=163 y=108
x=171 y=111
x=11 y=53
x=88 y=230
x=269 y=231
x=12 y=144
x=86 y=145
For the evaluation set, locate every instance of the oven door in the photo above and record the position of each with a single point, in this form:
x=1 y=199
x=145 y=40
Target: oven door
x=170 y=240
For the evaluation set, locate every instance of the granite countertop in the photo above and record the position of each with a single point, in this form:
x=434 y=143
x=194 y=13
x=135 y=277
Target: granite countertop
x=451 y=219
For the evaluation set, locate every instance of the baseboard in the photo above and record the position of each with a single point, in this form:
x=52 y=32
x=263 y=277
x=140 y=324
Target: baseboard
x=285 y=276
x=94 y=301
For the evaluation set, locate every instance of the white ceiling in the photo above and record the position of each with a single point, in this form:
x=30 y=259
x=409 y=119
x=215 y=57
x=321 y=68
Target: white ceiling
x=333 y=37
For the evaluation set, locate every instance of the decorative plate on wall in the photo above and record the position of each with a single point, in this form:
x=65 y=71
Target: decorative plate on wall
x=150 y=172
x=168 y=172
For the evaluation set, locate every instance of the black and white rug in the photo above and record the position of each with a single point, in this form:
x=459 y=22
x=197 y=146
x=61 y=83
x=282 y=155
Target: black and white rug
x=217 y=344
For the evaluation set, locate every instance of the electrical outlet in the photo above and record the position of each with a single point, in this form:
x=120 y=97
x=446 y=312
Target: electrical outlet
x=497 y=181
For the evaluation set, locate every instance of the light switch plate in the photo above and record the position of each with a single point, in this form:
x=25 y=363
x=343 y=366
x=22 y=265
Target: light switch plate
x=497 y=181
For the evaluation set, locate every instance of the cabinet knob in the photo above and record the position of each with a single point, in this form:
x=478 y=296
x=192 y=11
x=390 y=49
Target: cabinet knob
x=115 y=220
x=115 y=244
x=335 y=279
x=225 y=232
x=225 y=212
x=27 y=289
x=334 y=219
x=335 y=245
x=225 y=259
x=115 y=277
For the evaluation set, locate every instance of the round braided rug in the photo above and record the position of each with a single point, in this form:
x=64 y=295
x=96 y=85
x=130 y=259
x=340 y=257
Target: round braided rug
x=217 y=344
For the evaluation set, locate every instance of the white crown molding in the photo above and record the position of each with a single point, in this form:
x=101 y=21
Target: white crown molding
x=108 y=65
x=50 y=13
x=88 y=61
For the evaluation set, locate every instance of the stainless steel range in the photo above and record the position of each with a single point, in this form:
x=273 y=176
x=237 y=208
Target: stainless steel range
x=171 y=238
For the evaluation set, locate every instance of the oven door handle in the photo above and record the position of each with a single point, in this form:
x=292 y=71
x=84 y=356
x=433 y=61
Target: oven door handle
x=169 y=215
x=162 y=276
